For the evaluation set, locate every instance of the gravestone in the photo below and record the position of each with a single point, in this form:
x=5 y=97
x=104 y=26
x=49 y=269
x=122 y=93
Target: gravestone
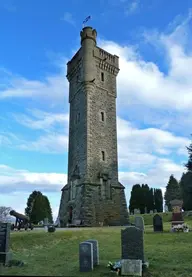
x=157 y=223
x=46 y=221
x=139 y=222
x=132 y=246
x=177 y=217
x=151 y=211
x=131 y=267
x=86 y=256
x=136 y=211
x=95 y=251
x=5 y=255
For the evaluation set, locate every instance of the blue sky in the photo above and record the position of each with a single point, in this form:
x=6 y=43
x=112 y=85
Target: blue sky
x=152 y=39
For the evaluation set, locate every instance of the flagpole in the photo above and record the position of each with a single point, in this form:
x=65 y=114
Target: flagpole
x=86 y=19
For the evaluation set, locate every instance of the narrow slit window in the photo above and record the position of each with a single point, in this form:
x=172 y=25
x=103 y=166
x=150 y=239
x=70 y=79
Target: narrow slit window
x=102 y=76
x=102 y=116
x=103 y=155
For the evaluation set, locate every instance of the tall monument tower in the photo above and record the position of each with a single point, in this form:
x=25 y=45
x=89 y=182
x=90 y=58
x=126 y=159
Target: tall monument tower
x=93 y=193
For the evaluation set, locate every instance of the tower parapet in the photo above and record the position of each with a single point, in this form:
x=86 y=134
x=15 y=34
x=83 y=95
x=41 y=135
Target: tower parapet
x=88 y=33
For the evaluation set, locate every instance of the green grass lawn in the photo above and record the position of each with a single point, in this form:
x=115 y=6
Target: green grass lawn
x=56 y=254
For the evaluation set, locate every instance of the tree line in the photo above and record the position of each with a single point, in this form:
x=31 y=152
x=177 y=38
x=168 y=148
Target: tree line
x=181 y=189
x=145 y=199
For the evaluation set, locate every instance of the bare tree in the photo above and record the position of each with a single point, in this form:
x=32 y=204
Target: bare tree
x=4 y=214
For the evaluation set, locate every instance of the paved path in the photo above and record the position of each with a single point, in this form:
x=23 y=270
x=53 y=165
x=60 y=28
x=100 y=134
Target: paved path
x=70 y=229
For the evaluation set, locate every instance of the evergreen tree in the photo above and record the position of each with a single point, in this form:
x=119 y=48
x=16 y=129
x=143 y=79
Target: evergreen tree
x=189 y=163
x=158 y=199
x=48 y=209
x=150 y=201
x=38 y=212
x=186 y=190
x=144 y=198
x=30 y=202
x=134 y=202
x=186 y=183
x=172 y=191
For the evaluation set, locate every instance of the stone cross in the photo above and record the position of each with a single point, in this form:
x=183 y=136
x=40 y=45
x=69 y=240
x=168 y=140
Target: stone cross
x=157 y=223
x=86 y=256
x=95 y=251
x=5 y=255
x=132 y=245
x=139 y=222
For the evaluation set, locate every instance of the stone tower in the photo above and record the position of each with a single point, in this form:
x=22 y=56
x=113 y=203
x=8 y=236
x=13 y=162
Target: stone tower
x=93 y=193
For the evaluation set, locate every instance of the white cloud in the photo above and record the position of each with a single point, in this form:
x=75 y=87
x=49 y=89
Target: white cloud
x=143 y=146
x=53 y=136
x=42 y=120
x=15 y=180
x=52 y=89
x=52 y=144
x=156 y=177
x=132 y=7
x=68 y=17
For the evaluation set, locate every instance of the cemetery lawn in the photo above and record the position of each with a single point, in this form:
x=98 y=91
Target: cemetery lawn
x=56 y=254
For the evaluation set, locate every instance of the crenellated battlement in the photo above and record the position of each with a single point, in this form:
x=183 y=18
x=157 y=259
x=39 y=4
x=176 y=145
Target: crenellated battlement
x=88 y=33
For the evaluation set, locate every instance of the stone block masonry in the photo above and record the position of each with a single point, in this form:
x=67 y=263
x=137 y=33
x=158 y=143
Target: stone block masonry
x=93 y=193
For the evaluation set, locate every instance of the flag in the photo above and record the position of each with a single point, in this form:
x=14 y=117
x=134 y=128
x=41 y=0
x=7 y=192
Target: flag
x=86 y=19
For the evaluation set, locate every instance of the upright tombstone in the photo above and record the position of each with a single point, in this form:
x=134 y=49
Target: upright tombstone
x=139 y=222
x=157 y=223
x=177 y=217
x=86 y=256
x=5 y=255
x=132 y=245
x=136 y=211
x=46 y=221
x=95 y=251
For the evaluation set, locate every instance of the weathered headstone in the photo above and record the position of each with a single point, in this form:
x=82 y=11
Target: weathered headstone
x=95 y=251
x=46 y=221
x=5 y=255
x=132 y=246
x=151 y=211
x=131 y=267
x=177 y=217
x=136 y=211
x=157 y=223
x=86 y=256
x=139 y=222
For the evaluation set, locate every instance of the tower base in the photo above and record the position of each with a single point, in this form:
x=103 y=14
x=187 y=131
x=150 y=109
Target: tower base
x=89 y=207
